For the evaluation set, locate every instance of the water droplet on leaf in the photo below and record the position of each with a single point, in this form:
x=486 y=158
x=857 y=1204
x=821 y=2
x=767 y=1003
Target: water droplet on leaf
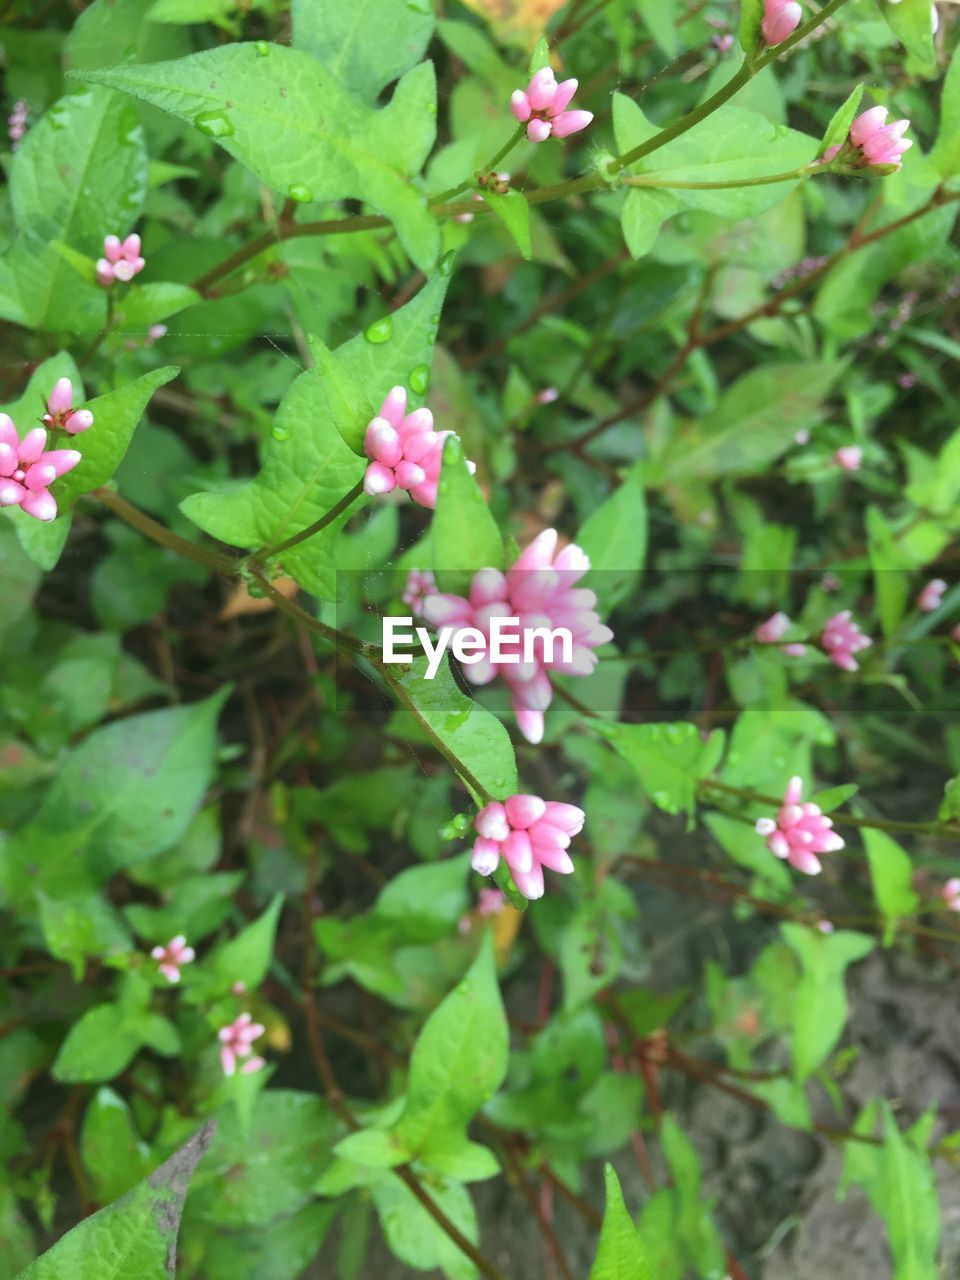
x=446 y=263
x=215 y=124
x=300 y=193
x=262 y=47
x=380 y=330
x=420 y=379
x=280 y=433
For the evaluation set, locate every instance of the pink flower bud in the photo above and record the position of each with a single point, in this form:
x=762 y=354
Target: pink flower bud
x=780 y=19
x=542 y=107
x=931 y=596
x=849 y=458
x=529 y=834
x=799 y=832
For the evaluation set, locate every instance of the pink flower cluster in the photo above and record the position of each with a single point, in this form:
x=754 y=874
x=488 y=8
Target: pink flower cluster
x=542 y=107
x=540 y=591
x=404 y=451
x=529 y=834
x=780 y=19
x=950 y=893
x=61 y=413
x=28 y=468
x=931 y=597
x=17 y=122
x=880 y=143
x=173 y=956
x=842 y=638
x=774 y=629
x=236 y=1043
x=849 y=458
x=121 y=260
x=799 y=832
x=420 y=584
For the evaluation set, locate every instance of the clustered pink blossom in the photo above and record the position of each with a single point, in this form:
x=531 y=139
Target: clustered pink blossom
x=879 y=142
x=842 y=638
x=540 y=591
x=17 y=122
x=547 y=396
x=931 y=597
x=799 y=832
x=950 y=893
x=780 y=19
x=420 y=584
x=774 y=629
x=542 y=107
x=171 y=957
x=28 y=468
x=121 y=260
x=236 y=1043
x=529 y=834
x=404 y=451
x=849 y=458
x=61 y=413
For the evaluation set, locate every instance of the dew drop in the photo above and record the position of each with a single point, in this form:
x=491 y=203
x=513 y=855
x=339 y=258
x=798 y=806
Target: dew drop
x=435 y=318
x=379 y=331
x=446 y=263
x=420 y=379
x=215 y=124
x=280 y=433
x=300 y=193
x=262 y=47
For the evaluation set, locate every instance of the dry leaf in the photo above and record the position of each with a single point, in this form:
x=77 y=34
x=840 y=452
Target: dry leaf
x=242 y=602
x=517 y=21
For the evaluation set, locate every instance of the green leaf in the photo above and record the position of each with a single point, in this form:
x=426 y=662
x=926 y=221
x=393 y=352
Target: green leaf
x=145 y=304
x=890 y=577
x=694 y=1228
x=464 y=535
x=76 y=929
x=660 y=19
x=754 y=423
x=820 y=1000
x=839 y=126
x=891 y=875
x=514 y=212
x=113 y=1152
x=471 y=738
x=458 y=1063
x=643 y=214
x=731 y=145
x=104 y=1041
x=615 y=539
x=247 y=957
x=414 y=1235
x=366 y=45
x=620 y=1253
x=312 y=458
x=136 y=1236
x=109 y=32
x=912 y=25
x=81 y=171
x=128 y=791
x=668 y=759
x=945 y=155
x=287 y=118
x=540 y=57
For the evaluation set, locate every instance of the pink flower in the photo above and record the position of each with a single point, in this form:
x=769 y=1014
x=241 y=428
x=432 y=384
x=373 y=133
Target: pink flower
x=530 y=834
x=950 y=893
x=420 y=584
x=490 y=902
x=880 y=143
x=542 y=107
x=842 y=638
x=236 y=1041
x=404 y=451
x=26 y=471
x=931 y=596
x=121 y=260
x=849 y=458
x=17 y=122
x=547 y=396
x=540 y=591
x=154 y=334
x=60 y=411
x=724 y=43
x=774 y=629
x=172 y=956
x=799 y=832
x=780 y=19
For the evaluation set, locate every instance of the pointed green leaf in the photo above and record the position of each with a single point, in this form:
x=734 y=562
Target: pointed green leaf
x=247 y=957
x=341 y=36
x=615 y=539
x=820 y=1000
x=891 y=874
x=464 y=535
x=288 y=119
x=514 y=212
x=458 y=1062
x=135 y=1236
x=668 y=759
x=620 y=1253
